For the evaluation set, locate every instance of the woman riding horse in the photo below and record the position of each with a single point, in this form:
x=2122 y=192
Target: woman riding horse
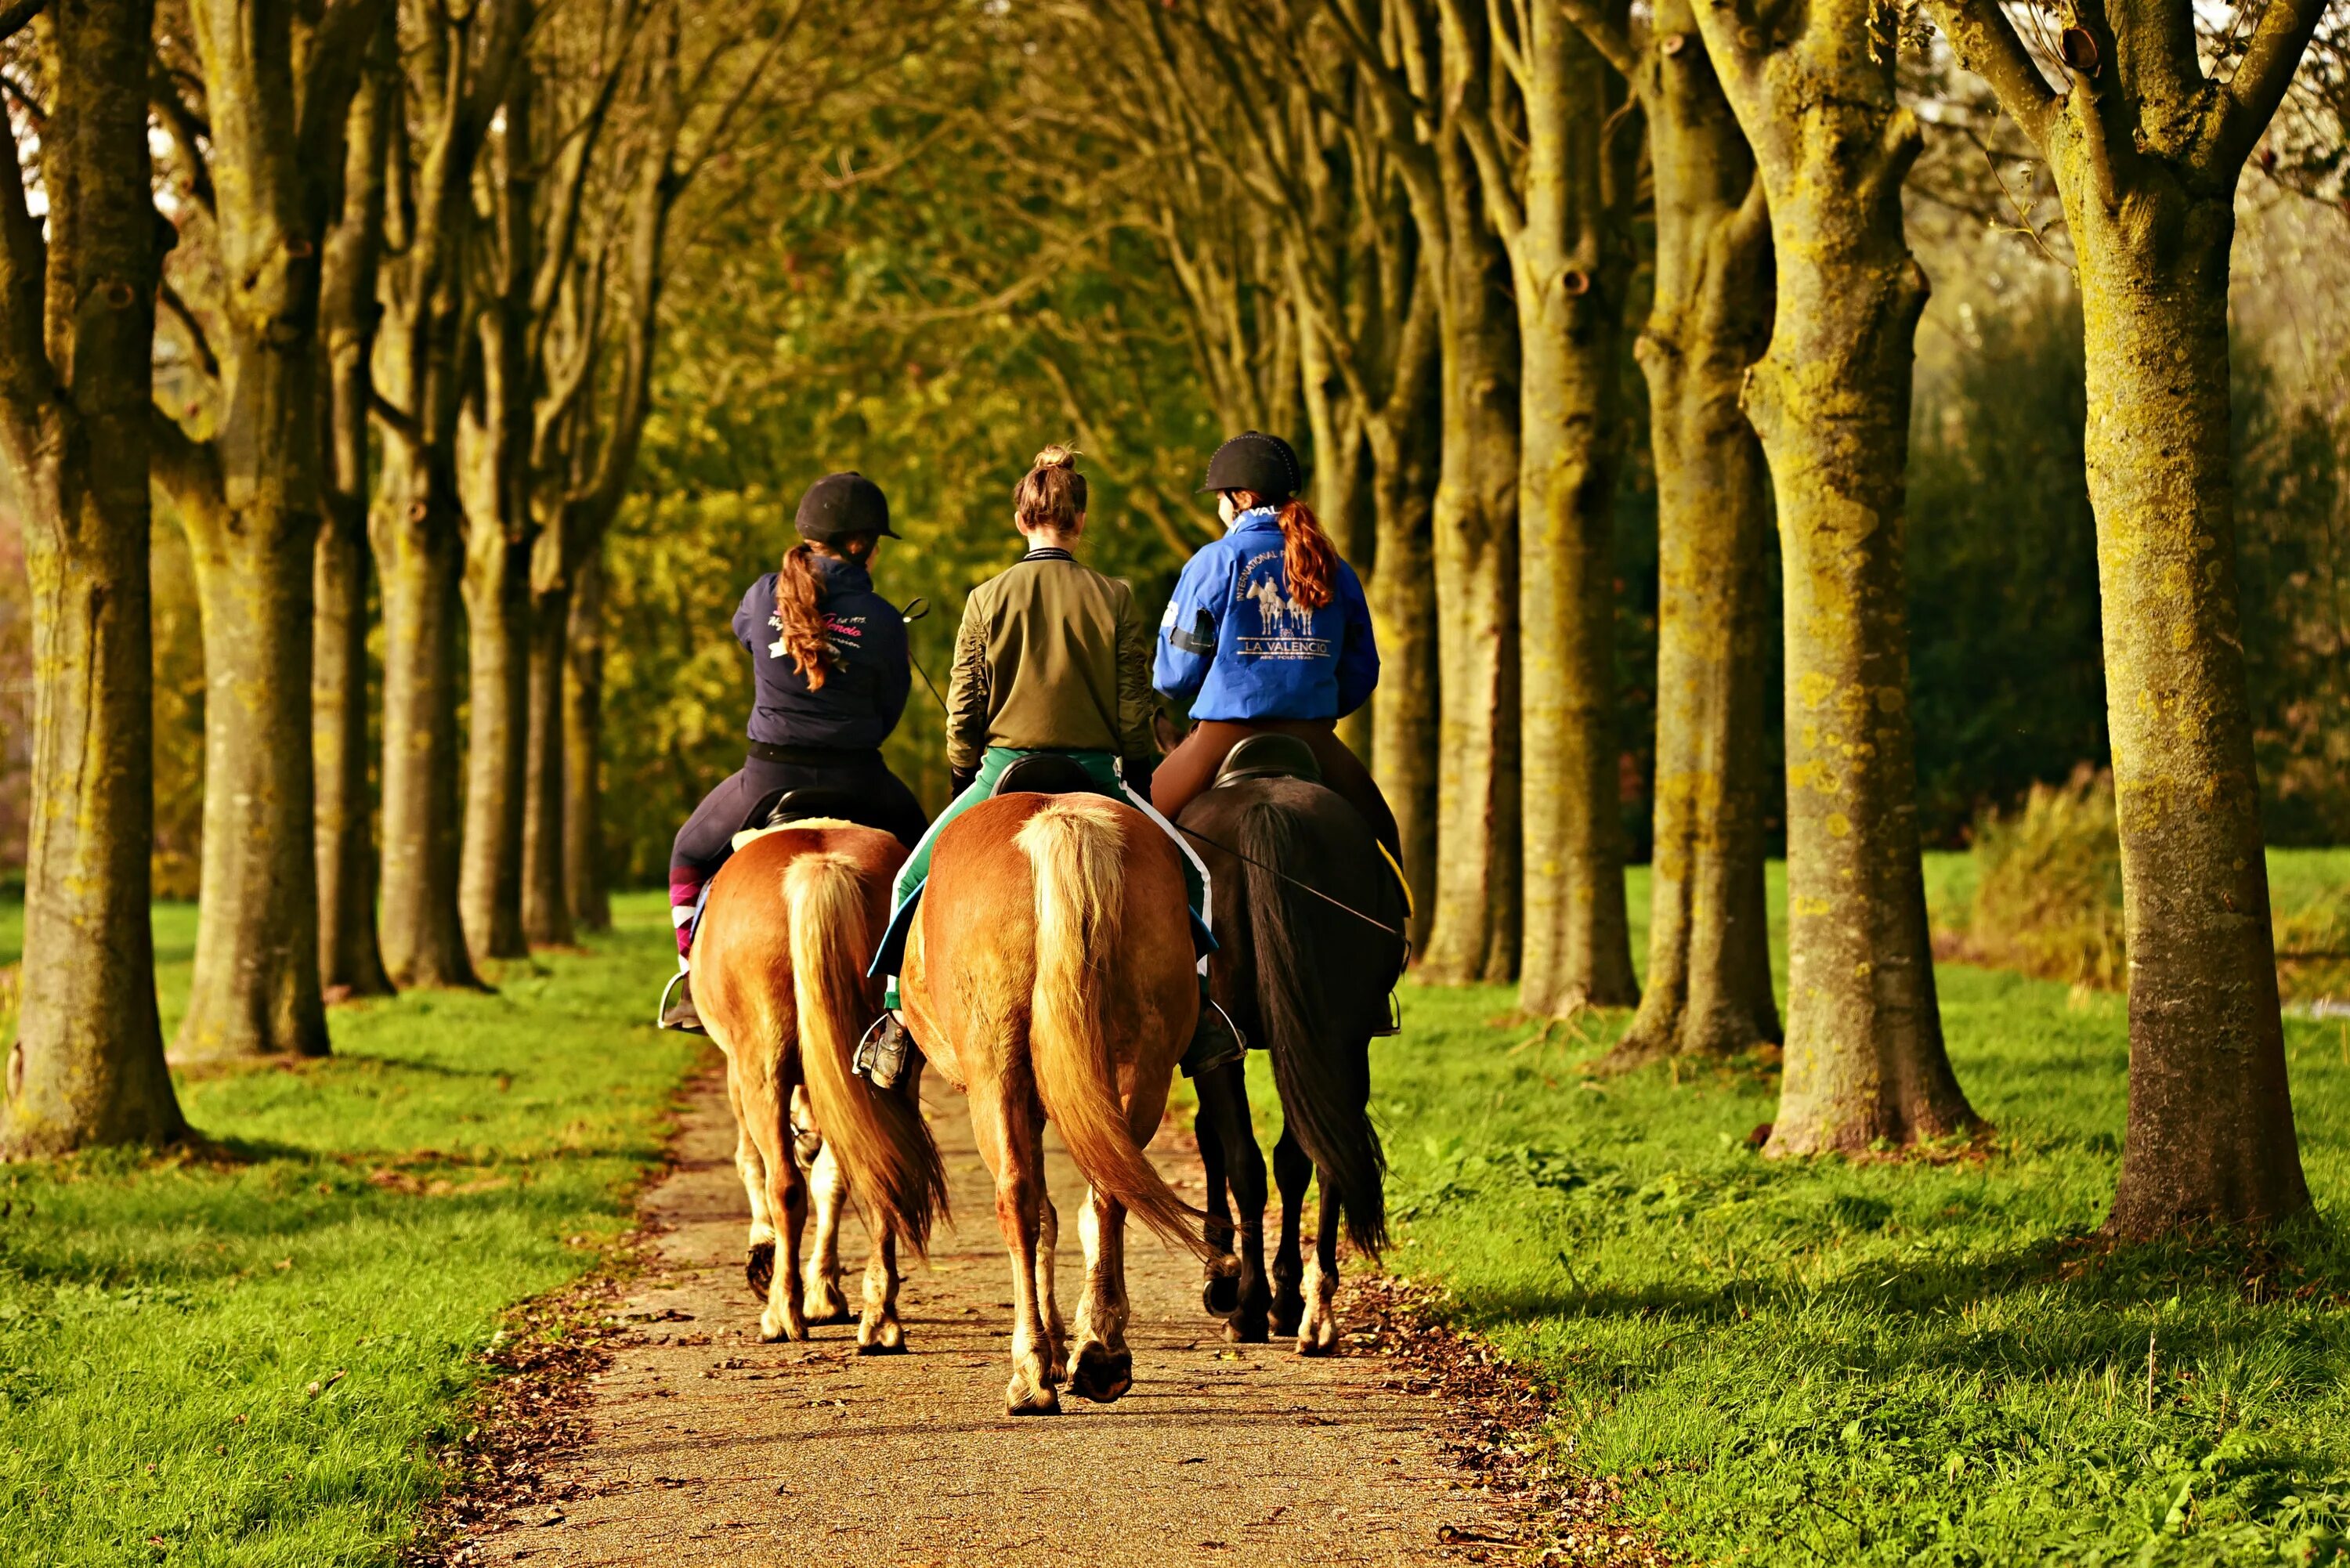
x=1268 y=631
x=831 y=672
x=1052 y=657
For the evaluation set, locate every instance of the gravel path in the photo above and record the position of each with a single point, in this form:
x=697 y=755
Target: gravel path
x=709 y=1448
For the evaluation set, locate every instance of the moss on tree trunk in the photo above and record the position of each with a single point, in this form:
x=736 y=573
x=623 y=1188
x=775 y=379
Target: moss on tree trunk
x=1708 y=986
x=256 y=990
x=417 y=543
x=1830 y=401
x=87 y=1064
x=497 y=619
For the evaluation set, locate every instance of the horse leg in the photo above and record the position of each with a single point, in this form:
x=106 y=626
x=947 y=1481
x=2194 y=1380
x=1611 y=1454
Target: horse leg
x=1227 y=1089
x=1319 y=1335
x=1291 y=1171
x=878 y=1332
x=1103 y=1369
x=1219 y=1294
x=1010 y=1139
x=821 y=1298
x=759 y=1261
x=1048 y=1247
x=787 y=1197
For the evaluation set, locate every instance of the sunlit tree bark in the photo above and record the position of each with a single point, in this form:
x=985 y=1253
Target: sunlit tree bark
x=2146 y=151
x=1813 y=91
x=276 y=90
x=1555 y=146
x=1708 y=970
x=76 y=334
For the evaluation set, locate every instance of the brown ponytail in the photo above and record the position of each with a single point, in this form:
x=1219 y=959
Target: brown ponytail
x=799 y=608
x=1307 y=556
x=1052 y=494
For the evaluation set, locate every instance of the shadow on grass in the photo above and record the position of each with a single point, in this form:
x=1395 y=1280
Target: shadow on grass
x=2306 y=1260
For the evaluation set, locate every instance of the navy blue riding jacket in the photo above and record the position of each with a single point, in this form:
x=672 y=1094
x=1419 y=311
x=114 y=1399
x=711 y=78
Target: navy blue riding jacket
x=862 y=695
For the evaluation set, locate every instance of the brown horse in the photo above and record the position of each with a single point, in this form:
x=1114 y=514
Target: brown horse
x=779 y=967
x=1049 y=975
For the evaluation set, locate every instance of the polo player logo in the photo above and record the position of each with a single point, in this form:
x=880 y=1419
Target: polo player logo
x=1278 y=611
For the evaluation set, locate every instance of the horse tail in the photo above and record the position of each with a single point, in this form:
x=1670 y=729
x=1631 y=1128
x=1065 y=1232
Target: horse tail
x=1322 y=1069
x=878 y=1136
x=1076 y=852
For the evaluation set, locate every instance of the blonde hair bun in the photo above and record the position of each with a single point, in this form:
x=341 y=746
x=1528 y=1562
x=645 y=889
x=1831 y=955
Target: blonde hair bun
x=1056 y=456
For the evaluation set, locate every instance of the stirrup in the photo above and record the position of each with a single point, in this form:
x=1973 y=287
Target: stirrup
x=1394 y=1024
x=680 y=1013
x=881 y=1056
x=1206 y=1053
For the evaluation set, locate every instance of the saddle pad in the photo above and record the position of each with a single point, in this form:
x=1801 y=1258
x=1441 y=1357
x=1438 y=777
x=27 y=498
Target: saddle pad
x=749 y=833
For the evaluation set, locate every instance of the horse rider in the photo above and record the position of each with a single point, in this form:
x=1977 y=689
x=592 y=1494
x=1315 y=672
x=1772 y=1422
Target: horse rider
x=1051 y=656
x=1268 y=630
x=830 y=673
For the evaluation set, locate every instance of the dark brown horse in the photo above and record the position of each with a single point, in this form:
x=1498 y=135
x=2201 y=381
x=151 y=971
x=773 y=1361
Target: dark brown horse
x=1048 y=974
x=1307 y=919
x=779 y=967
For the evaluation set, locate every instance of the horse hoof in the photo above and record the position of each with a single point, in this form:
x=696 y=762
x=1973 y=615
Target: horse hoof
x=1102 y=1375
x=772 y=1332
x=1238 y=1331
x=820 y=1310
x=1285 y=1319
x=880 y=1347
x=1221 y=1297
x=886 y=1338
x=759 y=1267
x=1022 y=1400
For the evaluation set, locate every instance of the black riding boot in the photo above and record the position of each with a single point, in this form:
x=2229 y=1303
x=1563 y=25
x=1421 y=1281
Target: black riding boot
x=1214 y=1042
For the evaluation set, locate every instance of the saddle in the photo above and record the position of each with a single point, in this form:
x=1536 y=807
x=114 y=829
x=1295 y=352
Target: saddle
x=781 y=808
x=1045 y=772
x=1268 y=756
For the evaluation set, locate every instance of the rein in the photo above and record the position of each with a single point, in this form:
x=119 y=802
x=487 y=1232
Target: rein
x=1305 y=886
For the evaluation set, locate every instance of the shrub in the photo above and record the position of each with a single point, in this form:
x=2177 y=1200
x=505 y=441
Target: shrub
x=2048 y=890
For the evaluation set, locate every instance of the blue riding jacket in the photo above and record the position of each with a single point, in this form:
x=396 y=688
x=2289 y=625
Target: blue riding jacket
x=1235 y=641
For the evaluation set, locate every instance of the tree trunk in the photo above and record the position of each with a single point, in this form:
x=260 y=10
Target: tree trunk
x=416 y=531
x=1342 y=495
x=583 y=731
x=1572 y=271
x=343 y=819
x=546 y=905
x=498 y=607
x=1830 y=401
x=1475 y=923
x=86 y=1065
x=350 y=962
x=1708 y=976
x=256 y=991
x=2211 y=1133
x=1403 y=621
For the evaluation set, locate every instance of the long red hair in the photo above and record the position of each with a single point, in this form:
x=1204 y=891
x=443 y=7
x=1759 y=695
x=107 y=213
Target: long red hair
x=799 y=609
x=1307 y=556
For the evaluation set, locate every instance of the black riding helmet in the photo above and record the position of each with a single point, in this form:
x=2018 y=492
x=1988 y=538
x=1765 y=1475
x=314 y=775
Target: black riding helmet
x=840 y=505
x=1252 y=460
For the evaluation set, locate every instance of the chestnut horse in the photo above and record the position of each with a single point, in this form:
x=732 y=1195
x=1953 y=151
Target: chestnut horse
x=779 y=964
x=1048 y=974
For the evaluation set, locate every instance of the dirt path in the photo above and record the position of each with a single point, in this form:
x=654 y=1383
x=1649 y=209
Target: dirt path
x=709 y=1448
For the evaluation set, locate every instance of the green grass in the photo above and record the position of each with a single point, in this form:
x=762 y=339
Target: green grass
x=1883 y=1362
x=161 y=1322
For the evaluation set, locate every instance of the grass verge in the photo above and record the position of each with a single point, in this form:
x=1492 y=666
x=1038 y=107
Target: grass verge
x=247 y=1352
x=1881 y=1362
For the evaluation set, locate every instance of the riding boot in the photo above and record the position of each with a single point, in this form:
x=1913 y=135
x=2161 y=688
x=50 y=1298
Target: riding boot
x=677 y=1009
x=1215 y=1042
x=882 y=1055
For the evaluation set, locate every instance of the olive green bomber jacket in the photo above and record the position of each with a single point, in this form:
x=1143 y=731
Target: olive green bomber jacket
x=1051 y=656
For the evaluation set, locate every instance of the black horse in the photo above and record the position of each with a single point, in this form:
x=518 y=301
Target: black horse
x=1308 y=919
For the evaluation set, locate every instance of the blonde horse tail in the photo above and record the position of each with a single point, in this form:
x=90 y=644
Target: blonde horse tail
x=878 y=1136
x=1076 y=851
